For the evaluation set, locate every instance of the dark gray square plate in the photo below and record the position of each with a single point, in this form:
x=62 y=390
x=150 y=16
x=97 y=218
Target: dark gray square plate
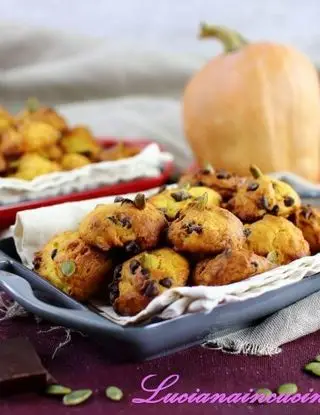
x=144 y=342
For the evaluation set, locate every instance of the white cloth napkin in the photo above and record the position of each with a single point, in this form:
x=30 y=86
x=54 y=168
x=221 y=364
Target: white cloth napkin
x=148 y=163
x=33 y=228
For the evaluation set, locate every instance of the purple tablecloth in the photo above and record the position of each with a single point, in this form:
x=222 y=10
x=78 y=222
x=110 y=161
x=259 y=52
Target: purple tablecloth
x=82 y=364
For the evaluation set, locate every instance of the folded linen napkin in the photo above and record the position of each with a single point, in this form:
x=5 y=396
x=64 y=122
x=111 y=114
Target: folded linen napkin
x=265 y=339
x=33 y=229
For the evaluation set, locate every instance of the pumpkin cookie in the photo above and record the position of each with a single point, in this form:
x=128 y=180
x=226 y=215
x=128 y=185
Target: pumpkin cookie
x=72 y=161
x=261 y=195
x=34 y=112
x=223 y=182
x=137 y=281
x=12 y=144
x=72 y=266
x=204 y=230
x=276 y=238
x=31 y=165
x=230 y=266
x=171 y=201
x=38 y=135
x=80 y=140
x=307 y=219
x=118 y=152
x=133 y=225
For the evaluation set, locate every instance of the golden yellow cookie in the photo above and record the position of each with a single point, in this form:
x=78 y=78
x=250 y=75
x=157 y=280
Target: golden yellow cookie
x=12 y=144
x=171 y=201
x=118 y=152
x=38 y=135
x=200 y=229
x=52 y=152
x=307 y=219
x=134 y=225
x=276 y=238
x=80 y=140
x=261 y=195
x=32 y=165
x=73 y=266
x=72 y=161
x=137 y=281
x=223 y=182
x=44 y=115
x=230 y=266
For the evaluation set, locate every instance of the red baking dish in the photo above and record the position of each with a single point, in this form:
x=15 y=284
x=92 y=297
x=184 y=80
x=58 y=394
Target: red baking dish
x=8 y=212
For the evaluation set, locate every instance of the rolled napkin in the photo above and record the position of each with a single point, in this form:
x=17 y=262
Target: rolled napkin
x=33 y=228
x=148 y=163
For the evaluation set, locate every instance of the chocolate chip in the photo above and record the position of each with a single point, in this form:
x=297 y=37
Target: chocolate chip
x=264 y=203
x=180 y=196
x=166 y=282
x=151 y=290
x=118 y=199
x=275 y=210
x=199 y=183
x=247 y=232
x=145 y=272
x=134 y=265
x=252 y=187
x=117 y=272
x=193 y=227
x=54 y=253
x=37 y=262
x=208 y=169
x=112 y=219
x=132 y=248
x=288 y=201
x=222 y=174
x=125 y=221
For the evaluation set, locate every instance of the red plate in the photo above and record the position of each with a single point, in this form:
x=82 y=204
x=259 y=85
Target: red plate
x=8 y=213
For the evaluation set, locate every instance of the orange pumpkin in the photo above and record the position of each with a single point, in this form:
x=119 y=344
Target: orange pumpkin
x=256 y=103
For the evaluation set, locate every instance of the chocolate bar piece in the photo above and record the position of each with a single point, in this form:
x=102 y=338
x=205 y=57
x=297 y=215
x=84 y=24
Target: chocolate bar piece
x=20 y=368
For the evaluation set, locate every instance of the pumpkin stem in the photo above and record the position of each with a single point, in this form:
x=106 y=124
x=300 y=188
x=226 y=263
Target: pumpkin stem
x=232 y=40
x=32 y=104
x=255 y=171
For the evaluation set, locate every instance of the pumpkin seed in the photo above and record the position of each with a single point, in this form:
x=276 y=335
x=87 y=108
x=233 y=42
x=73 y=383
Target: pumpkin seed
x=317 y=358
x=264 y=391
x=57 y=390
x=202 y=201
x=287 y=388
x=140 y=201
x=114 y=393
x=77 y=397
x=313 y=367
x=273 y=257
x=32 y=104
x=68 y=268
x=255 y=171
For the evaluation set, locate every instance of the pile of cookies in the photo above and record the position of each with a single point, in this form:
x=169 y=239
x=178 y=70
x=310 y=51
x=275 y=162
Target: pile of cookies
x=38 y=141
x=214 y=228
